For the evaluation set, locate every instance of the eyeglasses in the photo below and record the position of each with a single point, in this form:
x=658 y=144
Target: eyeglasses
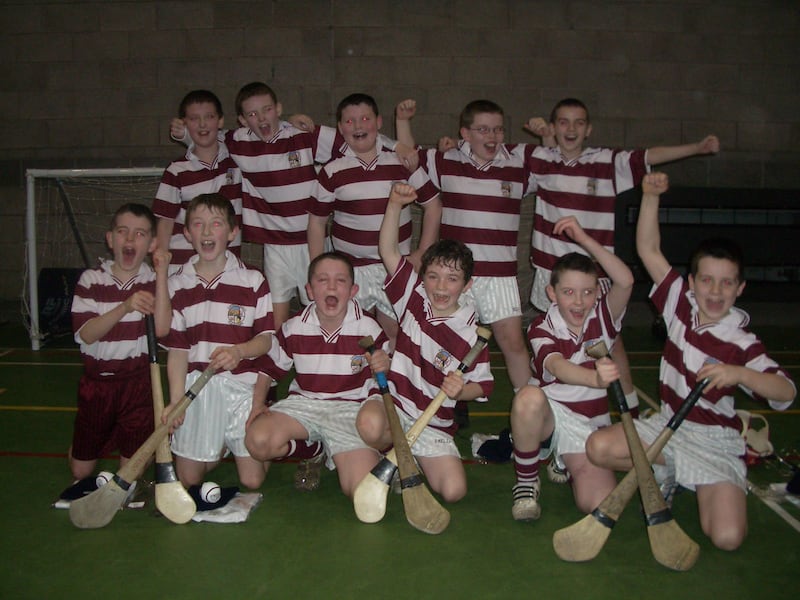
x=485 y=130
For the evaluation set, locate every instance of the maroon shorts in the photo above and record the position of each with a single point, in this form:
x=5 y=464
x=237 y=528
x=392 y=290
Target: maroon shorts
x=113 y=413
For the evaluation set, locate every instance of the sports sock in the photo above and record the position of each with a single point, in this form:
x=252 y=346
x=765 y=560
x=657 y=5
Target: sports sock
x=303 y=449
x=526 y=466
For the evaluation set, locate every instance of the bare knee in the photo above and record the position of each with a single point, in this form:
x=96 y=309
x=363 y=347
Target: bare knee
x=727 y=538
x=371 y=424
x=252 y=480
x=600 y=448
x=257 y=441
x=529 y=404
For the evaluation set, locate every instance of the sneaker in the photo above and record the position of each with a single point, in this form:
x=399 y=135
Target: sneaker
x=306 y=478
x=557 y=472
x=526 y=502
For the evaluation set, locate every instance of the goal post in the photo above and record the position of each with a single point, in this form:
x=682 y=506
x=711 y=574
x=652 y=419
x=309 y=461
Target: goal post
x=67 y=213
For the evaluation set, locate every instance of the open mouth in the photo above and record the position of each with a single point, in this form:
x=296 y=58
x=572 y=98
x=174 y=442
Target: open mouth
x=331 y=301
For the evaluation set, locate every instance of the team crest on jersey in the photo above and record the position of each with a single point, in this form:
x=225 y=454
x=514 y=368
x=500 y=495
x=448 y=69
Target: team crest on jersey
x=294 y=160
x=442 y=359
x=357 y=362
x=229 y=177
x=235 y=314
x=591 y=186
x=505 y=187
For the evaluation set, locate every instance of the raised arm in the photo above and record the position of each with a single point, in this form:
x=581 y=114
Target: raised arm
x=618 y=271
x=648 y=235
x=403 y=113
x=664 y=154
x=401 y=194
x=163 y=306
x=541 y=128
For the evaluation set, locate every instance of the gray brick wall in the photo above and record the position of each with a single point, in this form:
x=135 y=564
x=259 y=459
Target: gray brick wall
x=95 y=83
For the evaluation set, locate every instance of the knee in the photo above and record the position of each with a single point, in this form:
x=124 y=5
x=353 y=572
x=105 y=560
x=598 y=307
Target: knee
x=598 y=448
x=453 y=491
x=257 y=440
x=727 y=538
x=370 y=426
x=253 y=480
x=528 y=404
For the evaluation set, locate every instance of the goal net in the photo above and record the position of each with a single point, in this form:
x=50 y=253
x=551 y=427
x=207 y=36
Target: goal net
x=67 y=214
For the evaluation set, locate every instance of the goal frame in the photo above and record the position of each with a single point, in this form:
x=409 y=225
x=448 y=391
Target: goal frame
x=31 y=175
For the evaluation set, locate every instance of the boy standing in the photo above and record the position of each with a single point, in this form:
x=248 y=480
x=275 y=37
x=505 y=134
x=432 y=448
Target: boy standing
x=332 y=375
x=115 y=405
x=707 y=337
x=571 y=179
x=221 y=317
x=354 y=189
x=571 y=399
x=482 y=182
x=206 y=168
x=435 y=333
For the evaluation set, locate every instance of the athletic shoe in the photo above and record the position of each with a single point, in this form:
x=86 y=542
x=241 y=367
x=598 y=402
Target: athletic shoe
x=526 y=502
x=557 y=472
x=306 y=478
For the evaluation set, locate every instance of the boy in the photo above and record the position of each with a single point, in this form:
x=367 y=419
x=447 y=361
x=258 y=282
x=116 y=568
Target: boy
x=221 y=317
x=482 y=182
x=115 y=406
x=707 y=452
x=332 y=375
x=206 y=168
x=277 y=159
x=571 y=179
x=571 y=399
x=436 y=332
x=354 y=189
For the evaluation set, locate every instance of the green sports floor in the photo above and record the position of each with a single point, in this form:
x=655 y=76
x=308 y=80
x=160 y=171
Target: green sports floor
x=310 y=545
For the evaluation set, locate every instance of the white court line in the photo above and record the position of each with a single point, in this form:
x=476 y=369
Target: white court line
x=776 y=508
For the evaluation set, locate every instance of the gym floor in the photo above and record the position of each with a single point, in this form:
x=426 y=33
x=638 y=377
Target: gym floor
x=310 y=545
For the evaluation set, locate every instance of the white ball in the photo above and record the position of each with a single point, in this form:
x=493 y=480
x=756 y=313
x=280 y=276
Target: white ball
x=103 y=477
x=210 y=492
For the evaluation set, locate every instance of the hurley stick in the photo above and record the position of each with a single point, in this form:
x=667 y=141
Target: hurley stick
x=584 y=539
x=98 y=508
x=422 y=509
x=369 y=498
x=172 y=500
x=668 y=542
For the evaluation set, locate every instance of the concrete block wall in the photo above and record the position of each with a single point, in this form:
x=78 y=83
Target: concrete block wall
x=95 y=83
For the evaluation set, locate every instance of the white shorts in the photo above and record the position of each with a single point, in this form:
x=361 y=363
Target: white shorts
x=699 y=454
x=431 y=443
x=215 y=420
x=286 y=270
x=495 y=298
x=370 y=280
x=541 y=279
x=571 y=430
x=331 y=422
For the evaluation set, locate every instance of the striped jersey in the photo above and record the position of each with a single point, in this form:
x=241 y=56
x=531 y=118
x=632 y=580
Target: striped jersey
x=429 y=347
x=585 y=187
x=356 y=194
x=549 y=334
x=123 y=350
x=689 y=344
x=186 y=178
x=231 y=309
x=481 y=203
x=329 y=365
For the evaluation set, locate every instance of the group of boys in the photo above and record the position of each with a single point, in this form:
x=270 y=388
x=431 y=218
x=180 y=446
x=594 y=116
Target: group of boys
x=261 y=179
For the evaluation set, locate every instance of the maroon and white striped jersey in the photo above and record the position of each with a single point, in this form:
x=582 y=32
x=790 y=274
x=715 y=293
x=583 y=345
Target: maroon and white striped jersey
x=328 y=365
x=428 y=348
x=481 y=203
x=689 y=344
x=279 y=178
x=549 y=335
x=356 y=193
x=585 y=187
x=231 y=309
x=186 y=178
x=123 y=349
